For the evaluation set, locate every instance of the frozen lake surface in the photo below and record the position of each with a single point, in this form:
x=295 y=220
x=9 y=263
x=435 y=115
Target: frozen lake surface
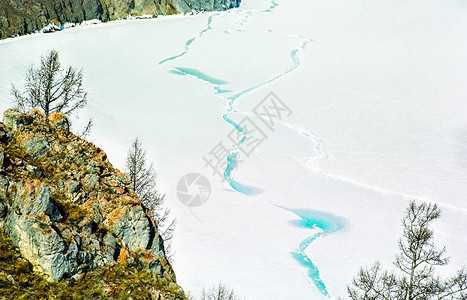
x=339 y=111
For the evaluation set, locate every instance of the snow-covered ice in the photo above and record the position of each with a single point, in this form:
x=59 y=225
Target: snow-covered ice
x=373 y=97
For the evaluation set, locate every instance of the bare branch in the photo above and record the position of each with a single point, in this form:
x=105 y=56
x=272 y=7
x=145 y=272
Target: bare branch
x=49 y=88
x=416 y=260
x=143 y=179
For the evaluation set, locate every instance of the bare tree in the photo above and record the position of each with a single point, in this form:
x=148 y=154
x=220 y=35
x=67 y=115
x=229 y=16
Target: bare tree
x=143 y=180
x=219 y=292
x=416 y=261
x=50 y=88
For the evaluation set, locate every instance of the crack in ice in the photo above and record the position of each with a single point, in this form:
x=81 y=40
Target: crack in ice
x=325 y=223
x=190 y=41
x=232 y=157
x=229 y=109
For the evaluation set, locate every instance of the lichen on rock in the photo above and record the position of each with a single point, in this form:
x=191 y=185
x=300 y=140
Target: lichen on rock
x=66 y=208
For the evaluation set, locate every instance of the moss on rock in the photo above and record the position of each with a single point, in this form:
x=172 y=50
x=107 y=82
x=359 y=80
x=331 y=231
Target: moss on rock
x=116 y=281
x=74 y=218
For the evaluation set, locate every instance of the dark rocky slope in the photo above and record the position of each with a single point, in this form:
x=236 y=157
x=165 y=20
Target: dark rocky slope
x=71 y=215
x=19 y=17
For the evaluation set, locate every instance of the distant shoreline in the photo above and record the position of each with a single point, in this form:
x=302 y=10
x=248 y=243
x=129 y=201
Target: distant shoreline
x=18 y=18
x=90 y=23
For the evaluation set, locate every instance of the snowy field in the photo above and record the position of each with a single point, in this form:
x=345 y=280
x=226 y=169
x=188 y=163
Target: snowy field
x=372 y=102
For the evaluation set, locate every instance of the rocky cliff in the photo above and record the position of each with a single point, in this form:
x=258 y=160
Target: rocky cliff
x=69 y=212
x=26 y=16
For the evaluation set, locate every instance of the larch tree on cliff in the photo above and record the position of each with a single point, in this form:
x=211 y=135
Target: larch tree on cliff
x=143 y=180
x=52 y=89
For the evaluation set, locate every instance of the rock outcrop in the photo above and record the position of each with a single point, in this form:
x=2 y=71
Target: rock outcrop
x=19 y=17
x=66 y=208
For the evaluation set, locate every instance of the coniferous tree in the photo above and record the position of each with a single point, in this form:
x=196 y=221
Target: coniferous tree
x=219 y=292
x=143 y=180
x=416 y=262
x=52 y=89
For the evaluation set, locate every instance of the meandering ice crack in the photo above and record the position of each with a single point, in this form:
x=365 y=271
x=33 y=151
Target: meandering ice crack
x=232 y=158
x=324 y=223
x=239 y=187
x=190 y=41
